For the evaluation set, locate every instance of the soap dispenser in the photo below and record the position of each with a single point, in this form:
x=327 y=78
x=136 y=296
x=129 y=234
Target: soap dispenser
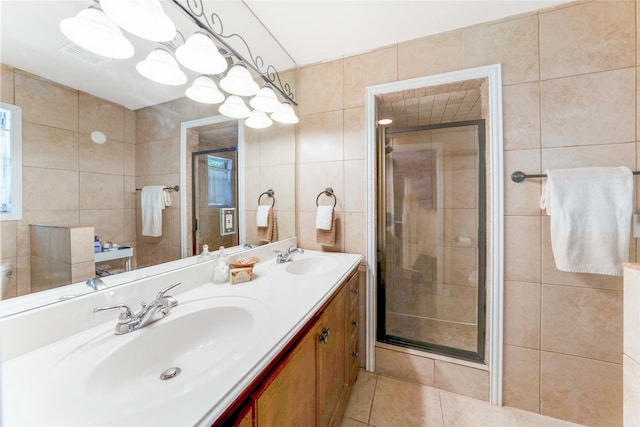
x=205 y=255
x=221 y=267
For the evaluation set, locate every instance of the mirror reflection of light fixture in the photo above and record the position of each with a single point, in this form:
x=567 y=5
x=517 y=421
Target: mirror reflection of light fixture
x=238 y=81
x=235 y=108
x=285 y=114
x=258 y=120
x=144 y=18
x=161 y=67
x=266 y=100
x=201 y=55
x=92 y=30
x=204 y=90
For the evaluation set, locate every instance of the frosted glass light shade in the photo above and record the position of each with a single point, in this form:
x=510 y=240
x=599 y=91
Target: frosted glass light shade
x=285 y=114
x=204 y=90
x=238 y=81
x=161 y=67
x=266 y=100
x=258 y=120
x=201 y=55
x=235 y=108
x=144 y=18
x=92 y=30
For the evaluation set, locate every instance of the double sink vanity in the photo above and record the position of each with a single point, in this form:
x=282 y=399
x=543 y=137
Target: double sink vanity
x=280 y=349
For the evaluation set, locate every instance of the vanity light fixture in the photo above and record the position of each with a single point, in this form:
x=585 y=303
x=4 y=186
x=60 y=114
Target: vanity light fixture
x=161 y=67
x=201 y=55
x=143 y=18
x=238 y=81
x=285 y=114
x=384 y=122
x=204 y=90
x=266 y=100
x=92 y=30
x=258 y=120
x=235 y=108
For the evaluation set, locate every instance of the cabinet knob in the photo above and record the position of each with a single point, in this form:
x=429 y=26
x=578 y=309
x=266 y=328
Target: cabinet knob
x=324 y=338
x=354 y=353
x=354 y=322
x=354 y=291
x=326 y=331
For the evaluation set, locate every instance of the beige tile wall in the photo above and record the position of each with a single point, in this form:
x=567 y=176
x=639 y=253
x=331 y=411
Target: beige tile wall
x=570 y=99
x=67 y=179
x=157 y=162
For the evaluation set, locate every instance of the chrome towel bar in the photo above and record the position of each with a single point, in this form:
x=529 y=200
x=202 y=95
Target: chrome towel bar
x=519 y=176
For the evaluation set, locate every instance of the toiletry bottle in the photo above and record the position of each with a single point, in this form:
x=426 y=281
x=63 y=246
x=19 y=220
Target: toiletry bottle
x=96 y=245
x=205 y=255
x=221 y=267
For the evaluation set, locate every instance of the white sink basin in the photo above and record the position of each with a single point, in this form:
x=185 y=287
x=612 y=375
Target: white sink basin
x=104 y=376
x=314 y=265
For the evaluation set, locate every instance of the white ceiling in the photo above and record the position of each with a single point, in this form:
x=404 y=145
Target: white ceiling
x=287 y=34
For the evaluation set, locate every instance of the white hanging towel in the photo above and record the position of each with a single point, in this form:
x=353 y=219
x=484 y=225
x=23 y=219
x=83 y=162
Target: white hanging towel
x=324 y=217
x=262 y=215
x=590 y=211
x=153 y=199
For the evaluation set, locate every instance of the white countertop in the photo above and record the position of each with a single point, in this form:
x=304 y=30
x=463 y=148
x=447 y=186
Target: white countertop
x=39 y=388
x=110 y=254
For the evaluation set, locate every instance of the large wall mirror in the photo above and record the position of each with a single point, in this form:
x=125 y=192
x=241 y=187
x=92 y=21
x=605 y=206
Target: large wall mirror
x=94 y=132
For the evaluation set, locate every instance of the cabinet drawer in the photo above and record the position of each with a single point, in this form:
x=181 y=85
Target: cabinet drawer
x=354 y=365
x=353 y=290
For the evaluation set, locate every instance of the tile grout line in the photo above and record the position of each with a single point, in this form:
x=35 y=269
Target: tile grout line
x=373 y=398
x=441 y=410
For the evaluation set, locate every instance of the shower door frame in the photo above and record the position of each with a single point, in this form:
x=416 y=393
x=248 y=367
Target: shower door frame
x=381 y=334
x=495 y=206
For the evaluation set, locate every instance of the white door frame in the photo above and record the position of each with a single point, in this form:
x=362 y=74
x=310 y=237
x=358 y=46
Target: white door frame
x=495 y=239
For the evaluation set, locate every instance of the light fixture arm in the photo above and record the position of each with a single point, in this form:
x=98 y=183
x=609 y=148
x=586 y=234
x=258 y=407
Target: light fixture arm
x=194 y=10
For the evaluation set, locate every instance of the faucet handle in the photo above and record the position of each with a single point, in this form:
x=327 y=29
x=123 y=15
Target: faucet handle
x=125 y=311
x=162 y=293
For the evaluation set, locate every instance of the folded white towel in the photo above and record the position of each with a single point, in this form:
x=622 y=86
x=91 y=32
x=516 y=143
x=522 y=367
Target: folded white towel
x=324 y=217
x=153 y=201
x=262 y=215
x=590 y=211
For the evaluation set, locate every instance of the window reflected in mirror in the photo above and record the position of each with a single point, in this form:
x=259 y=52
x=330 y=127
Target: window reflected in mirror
x=10 y=153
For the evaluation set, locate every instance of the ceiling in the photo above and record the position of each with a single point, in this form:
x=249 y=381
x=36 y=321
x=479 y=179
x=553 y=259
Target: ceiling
x=287 y=34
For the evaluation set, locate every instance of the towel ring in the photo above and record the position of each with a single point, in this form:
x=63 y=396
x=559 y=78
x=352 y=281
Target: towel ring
x=329 y=193
x=269 y=193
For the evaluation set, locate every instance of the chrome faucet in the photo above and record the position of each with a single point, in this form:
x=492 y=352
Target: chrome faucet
x=96 y=283
x=152 y=312
x=285 y=256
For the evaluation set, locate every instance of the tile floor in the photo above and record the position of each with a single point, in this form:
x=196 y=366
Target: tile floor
x=381 y=401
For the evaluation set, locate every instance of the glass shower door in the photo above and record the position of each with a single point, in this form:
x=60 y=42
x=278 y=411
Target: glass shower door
x=431 y=244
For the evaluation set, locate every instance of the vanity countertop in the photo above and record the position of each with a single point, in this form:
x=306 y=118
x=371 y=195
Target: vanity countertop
x=83 y=380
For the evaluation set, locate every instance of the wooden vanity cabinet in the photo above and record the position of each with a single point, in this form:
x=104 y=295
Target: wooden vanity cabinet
x=353 y=329
x=288 y=397
x=331 y=350
x=310 y=383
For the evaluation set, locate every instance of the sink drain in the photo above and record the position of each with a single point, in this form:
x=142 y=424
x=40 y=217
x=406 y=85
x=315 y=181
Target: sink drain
x=170 y=373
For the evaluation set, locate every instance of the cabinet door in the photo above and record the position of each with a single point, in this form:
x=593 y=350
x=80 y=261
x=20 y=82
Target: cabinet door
x=352 y=359
x=289 y=399
x=330 y=358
